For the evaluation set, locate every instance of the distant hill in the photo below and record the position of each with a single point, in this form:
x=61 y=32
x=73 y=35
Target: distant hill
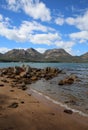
x=1 y=57
x=84 y=57
x=57 y=55
x=17 y=55
x=51 y=55
x=1 y=54
x=23 y=55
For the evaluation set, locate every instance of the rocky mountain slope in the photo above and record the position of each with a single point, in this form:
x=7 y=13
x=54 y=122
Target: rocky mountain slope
x=51 y=55
x=56 y=55
x=84 y=56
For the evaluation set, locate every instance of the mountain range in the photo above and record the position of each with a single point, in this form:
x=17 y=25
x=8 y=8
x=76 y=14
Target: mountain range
x=32 y=55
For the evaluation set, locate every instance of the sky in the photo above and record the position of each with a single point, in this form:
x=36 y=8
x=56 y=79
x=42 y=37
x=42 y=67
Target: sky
x=44 y=24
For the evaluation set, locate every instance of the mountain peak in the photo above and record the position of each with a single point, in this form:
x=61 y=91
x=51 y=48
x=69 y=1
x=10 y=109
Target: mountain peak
x=33 y=52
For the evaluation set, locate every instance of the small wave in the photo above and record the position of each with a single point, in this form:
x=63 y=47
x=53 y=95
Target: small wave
x=59 y=103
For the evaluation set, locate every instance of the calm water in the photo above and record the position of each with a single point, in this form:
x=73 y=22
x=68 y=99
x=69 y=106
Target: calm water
x=77 y=92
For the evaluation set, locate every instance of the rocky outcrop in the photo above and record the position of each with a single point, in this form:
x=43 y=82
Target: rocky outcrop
x=26 y=75
x=68 y=80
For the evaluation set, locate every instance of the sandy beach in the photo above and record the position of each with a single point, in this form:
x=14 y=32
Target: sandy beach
x=20 y=110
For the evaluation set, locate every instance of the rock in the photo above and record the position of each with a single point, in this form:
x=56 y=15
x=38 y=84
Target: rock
x=11 y=90
x=17 y=70
x=34 y=78
x=52 y=70
x=1 y=85
x=22 y=102
x=67 y=80
x=28 y=69
x=61 y=82
x=4 y=71
x=22 y=86
x=13 y=105
x=47 y=77
x=47 y=69
x=68 y=111
x=23 y=75
x=29 y=94
x=13 y=85
x=5 y=81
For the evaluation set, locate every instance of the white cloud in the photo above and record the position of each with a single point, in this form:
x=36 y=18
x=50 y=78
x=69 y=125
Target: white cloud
x=48 y=39
x=4 y=49
x=59 y=21
x=24 y=32
x=79 y=22
x=67 y=45
x=33 y=8
x=70 y=21
x=81 y=36
x=33 y=32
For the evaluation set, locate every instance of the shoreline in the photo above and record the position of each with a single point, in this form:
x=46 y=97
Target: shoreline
x=46 y=98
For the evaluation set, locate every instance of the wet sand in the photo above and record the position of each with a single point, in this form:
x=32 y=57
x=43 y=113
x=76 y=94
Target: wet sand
x=34 y=113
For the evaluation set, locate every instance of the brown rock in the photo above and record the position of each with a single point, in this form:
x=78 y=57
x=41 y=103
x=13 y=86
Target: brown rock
x=5 y=81
x=69 y=81
x=1 y=85
x=34 y=78
x=61 y=82
x=22 y=86
x=68 y=111
x=17 y=70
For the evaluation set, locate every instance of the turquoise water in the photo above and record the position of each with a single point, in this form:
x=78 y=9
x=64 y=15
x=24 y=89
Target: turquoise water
x=77 y=92
x=42 y=65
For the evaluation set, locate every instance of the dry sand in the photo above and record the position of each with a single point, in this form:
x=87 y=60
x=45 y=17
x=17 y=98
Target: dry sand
x=34 y=113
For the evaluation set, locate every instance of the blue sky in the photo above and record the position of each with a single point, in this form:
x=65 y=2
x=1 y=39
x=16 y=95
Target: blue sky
x=44 y=24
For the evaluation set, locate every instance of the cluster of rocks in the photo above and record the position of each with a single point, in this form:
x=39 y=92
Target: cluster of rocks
x=20 y=76
x=68 y=80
